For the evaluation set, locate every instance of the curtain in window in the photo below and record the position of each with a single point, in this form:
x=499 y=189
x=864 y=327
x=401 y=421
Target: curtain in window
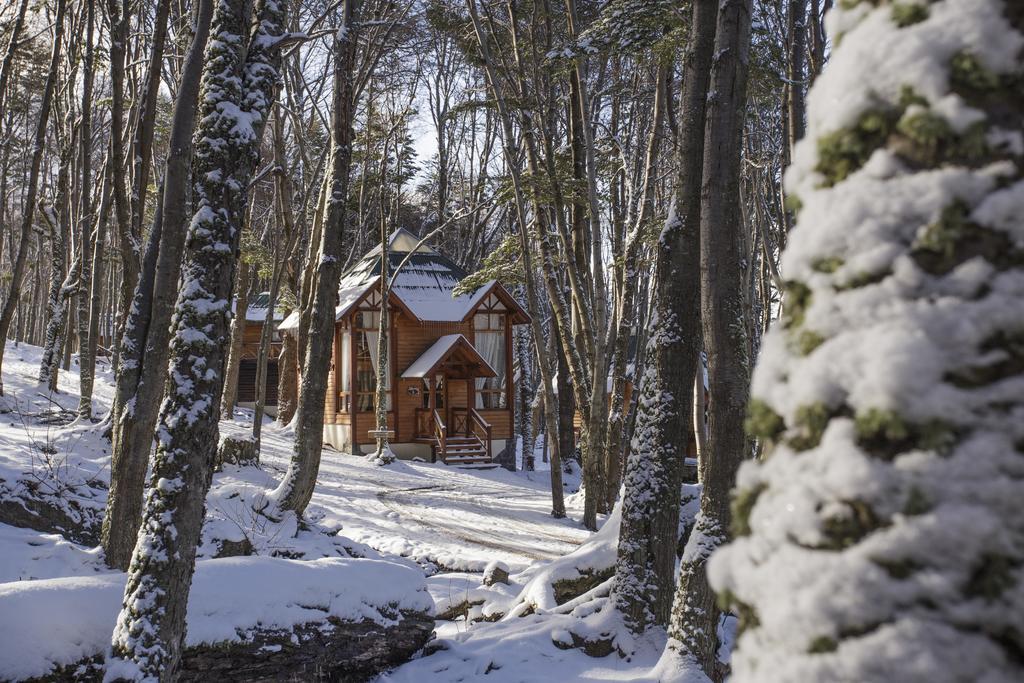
x=372 y=339
x=346 y=362
x=491 y=345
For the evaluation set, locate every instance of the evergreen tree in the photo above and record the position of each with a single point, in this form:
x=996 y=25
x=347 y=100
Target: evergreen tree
x=881 y=539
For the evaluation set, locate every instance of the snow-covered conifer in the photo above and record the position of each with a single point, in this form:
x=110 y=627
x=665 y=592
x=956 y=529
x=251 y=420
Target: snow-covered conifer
x=882 y=539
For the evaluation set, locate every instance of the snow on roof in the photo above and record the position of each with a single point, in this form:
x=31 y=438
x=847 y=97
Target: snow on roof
x=423 y=286
x=439 y=350
x=256 y=311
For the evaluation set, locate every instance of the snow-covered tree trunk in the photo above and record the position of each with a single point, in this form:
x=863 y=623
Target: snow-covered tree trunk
x=142 y=371
x=61 y=279
x=887 y=511
x=628 y=314
x=648 y=536
x=230 y=395
x=296 y=488
x=693 y=629
x=240 y=74
x=31 y=191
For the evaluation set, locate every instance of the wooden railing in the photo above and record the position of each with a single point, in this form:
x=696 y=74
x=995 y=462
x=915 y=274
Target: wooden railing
x=477 y=422
x=424 y=423
x=440 y=433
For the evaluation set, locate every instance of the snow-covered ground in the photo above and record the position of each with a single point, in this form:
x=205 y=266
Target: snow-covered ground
x=437 y=515
x=444 y=524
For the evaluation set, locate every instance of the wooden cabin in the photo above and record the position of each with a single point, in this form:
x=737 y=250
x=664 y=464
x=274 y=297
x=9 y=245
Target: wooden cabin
x=450 y=384
x=256 y=315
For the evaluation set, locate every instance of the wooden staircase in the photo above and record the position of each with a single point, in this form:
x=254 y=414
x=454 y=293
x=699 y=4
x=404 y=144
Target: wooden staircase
x=468 y=444
x=464 y=450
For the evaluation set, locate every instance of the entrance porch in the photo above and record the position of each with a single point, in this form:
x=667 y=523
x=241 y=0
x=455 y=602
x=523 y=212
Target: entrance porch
x=447 y=421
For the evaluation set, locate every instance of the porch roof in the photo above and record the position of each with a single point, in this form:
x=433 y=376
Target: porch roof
x=451 y=347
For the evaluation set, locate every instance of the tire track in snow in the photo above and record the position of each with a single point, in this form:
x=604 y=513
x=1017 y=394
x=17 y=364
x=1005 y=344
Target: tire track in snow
x=531 y=539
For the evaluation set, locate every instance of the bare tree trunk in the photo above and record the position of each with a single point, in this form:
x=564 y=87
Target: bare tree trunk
x=700 y=426
x=554 y=422
x=695 y=616
x=141 y=374
x=264 y=352
x=628 y=311
x=566 y=405
x=141 y=152
x=18 y=271
x=10 y=52
x=118 y=14
x=296 y=488
x=239 y=79
x=287 y=380
x=524 y=417
x=86 y=364
x=230 y=395
x=797 y=58
x=96 y=285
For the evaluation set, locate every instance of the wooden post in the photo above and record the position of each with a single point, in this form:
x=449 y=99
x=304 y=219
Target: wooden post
x=353 y=405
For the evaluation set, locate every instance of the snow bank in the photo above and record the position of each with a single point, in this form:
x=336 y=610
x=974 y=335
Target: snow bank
x=27 y=554
x=595 y=559
x=56 y=622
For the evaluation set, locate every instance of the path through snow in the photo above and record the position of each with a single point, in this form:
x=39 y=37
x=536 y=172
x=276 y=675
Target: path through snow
x=434 y=514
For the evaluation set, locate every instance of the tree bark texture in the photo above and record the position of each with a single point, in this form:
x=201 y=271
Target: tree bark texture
x=296 y=489
x=695 y=616
x=241 y=71
x=141 y=374
x=21 y=260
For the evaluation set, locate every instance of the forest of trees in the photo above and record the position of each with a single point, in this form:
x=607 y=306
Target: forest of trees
x=621 y=165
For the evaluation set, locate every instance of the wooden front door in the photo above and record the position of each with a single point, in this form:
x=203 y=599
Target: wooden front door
x=458 y=405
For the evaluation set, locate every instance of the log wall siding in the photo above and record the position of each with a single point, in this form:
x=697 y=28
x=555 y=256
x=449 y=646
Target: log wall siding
x=409 y=340
x=247 y=368
x=251 y=342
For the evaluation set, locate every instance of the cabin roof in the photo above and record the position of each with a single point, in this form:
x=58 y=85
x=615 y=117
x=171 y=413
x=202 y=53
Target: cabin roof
x=423 y=287
x=257 y=308
x=448 y=347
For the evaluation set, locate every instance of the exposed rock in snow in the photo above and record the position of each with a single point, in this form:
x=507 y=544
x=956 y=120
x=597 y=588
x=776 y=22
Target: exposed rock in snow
x=248 y=619
x=496 y=572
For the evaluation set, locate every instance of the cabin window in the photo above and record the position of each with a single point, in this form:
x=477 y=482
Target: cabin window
x=439 y=392
x=489 y=330
x=367 y=339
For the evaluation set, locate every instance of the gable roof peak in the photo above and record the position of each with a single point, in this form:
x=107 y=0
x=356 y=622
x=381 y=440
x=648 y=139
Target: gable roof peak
x=402 y=240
